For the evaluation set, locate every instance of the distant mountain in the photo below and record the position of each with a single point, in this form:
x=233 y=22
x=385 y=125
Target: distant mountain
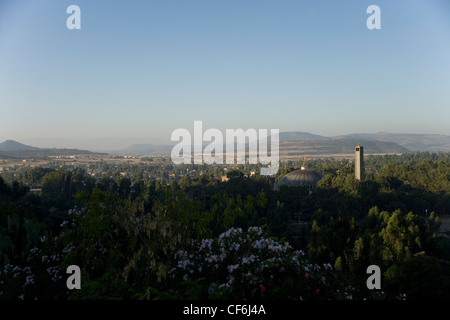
x=294 y=136
x=11 y=145
x=413 y=142
x=301 y=143
x=338 y=147
x=14 y=149
x=325 y=146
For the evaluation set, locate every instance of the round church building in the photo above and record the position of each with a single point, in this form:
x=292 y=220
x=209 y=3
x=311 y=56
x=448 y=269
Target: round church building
x=300 y=177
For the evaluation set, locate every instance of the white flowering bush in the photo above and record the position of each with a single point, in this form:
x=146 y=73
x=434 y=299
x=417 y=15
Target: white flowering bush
x=41 y=277
x=249 y=265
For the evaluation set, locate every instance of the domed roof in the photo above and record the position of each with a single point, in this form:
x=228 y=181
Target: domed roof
x=300 y=177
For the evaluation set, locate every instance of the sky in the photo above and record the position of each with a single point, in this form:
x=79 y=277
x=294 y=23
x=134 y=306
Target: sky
x=138 y=70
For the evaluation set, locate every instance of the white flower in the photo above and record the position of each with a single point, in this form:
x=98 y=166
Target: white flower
x=232 y=267
x=206 y=243
x=29 y=280
x=256 y=230
x=212 y=258
x=248 y=260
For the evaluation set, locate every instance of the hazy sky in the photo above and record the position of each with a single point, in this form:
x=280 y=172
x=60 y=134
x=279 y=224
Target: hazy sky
x=137 y=70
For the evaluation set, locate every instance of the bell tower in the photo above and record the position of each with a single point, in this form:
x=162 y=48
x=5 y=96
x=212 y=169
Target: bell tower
x=359 y=163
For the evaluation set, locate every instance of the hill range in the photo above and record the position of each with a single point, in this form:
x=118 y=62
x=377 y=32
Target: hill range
x=298 y=143
x=413 y=142
x=305 y=143
x=13 y=149
x=291 y=144
x=337 y=147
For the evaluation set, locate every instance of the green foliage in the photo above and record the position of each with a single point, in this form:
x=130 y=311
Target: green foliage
x=34 y=176
x=334 y=240
x=401 y=238
x=248 y=265
x=128 y=229
x=56 y=186
x=420 y=278
x=16 y=240
x=154 y=237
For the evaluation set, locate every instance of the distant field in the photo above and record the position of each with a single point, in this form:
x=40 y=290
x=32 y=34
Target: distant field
x=349 y=156
x=11 y=163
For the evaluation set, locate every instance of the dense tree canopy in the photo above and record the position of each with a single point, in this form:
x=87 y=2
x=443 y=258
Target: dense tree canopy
x=132 y=235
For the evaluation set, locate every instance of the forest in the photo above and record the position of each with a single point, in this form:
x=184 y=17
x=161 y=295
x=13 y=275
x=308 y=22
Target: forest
x=197 y=237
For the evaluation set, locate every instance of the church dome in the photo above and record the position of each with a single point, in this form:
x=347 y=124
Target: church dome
x=300 y=177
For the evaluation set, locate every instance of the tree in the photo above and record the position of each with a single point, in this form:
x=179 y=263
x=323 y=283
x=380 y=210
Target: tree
x=124 y=187
x=401 y=238
x=57 y=187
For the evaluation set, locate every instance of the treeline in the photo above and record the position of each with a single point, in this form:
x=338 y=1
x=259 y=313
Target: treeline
x=127 y=234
